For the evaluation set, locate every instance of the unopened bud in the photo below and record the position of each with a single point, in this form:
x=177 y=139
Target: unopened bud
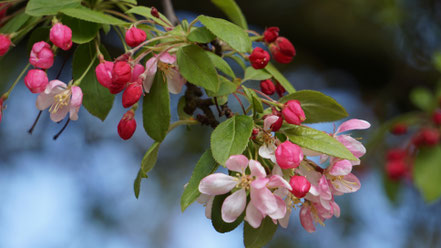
x=427 y=137
x=271 y=34
x=154 y=12
x=41 y=55
x=293 y=112
x=399 y=129
x=288 y=155
x=132 y=94
x=283 y=51
x=135 y=36
x=267 y=87
x=121 y=73
x=436 y=117
x=127 y=125
x=61 y=36
x=104 y=73
x=396 y=169
x=279 y=89
x=5 y=43
x=300 y=186
x=259 y=58
x=36 y=80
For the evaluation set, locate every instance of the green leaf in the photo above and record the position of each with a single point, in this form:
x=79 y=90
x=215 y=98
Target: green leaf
x=221 y=64
x=49 y=7
x=253 y=74
x=427 y=173
x=422 y=98
x=226 y=88
x=82 y=31
x=280 y=78
x=238 y=60
x=195 y=66
x=96 y=98
x=254 y=100
x=148 y=162
x=205 y=166
x=156 y=109
x=201 y=35
x=232 y=10
x=146 y=12
x=216 y=216
x=39 y=34
x=90 y=15
x=317 y=141
x=130 y=1
x=15 y=23
x=232 y=34
x=231 y=137
x=181 y=113
x=257 y=238
x=317 y=106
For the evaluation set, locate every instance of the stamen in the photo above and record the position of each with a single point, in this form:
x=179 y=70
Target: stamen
x=35 y=123
x=62 y=129
x=60 y=100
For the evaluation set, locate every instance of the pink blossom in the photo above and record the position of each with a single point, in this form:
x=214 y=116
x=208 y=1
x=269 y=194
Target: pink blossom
x=41 y=55
x=340 y=177
x=167 y=64
x=60 y=99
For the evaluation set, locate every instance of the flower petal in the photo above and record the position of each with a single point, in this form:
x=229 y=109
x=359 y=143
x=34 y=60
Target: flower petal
x=151 y=67
x=73 y=112
x=77 y=96
x=237 y=163
x=60 y=114
x=167 y=58
x=264 y=200
x=175 y=81
x=253 y=216
x=257 y=169
x=269 y=121
x=217 y=184
x=277 y=181
x=209 y=207
x=44 y=101
x=347 y=184
x=55 y=87
x=280 y=211
x=268 y=151
x=306 y=219
x=353 y=124
x=341 y=168
x=234 y=205
x=336 y=208
x=353 y=145
x=285 y=220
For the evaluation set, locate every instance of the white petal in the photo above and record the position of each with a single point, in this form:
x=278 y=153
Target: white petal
x=175 y=81
x=60 y=114
x=277 y=181
x=44 y=101
x=217 y=184
x=234 y=205
x=285 y=220
x=257 y=169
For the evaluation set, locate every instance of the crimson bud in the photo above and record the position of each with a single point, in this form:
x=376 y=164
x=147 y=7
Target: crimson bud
x=61 y=36
x=42 y=55
x=293 y=112
x=399 y=129
x=271 y=34
x=396 y=154
x=5 y=43
x=135 y=36
x=427 y=137
x=104 y=73
x=300 y=186
x=396 y=169
x=259 y=58
x=267 y=87
x=279 y=89
x=132 y=94
x=127 y=125
x=36 y=80
x=283 y=51
x=154 y=12
x=288 y=155
x=121 y=73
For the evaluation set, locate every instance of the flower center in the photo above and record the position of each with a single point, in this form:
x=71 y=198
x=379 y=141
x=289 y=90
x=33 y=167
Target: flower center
x=61 y=100
x=244 y=181
x=343 y=182
x=165 y=67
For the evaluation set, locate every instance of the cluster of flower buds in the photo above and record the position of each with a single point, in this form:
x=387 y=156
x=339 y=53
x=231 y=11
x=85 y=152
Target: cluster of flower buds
x=292 y=113
x=281 y=48
x=128 y=75
x=269 y=87
x=283 y=178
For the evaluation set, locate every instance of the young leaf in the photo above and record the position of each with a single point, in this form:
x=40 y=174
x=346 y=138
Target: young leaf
x=15 y=23
x=216 y=216
x=96 y=98
x=422 y=98
x=146 y=12
x=280 y=78
x=90 y=15
x=253 y=74
x=221 y=64
x=226 y=88
x=82 y=31
x=49 y=7
x=427 y=173
x=232 y=10
x=257 y=238
x=317 y=141
x=231 y=137
x=205 y=166
x=317 y=106
x=201 y=35
x=254 y=100
x=232 y=34
x=195 y=66
x=148 y=162
x=156 y=109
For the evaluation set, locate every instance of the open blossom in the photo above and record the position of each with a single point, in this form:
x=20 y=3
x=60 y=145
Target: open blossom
x=168 y=65
x=341 y=179
x=263 y=201
x=41 y=55
x=60 y=99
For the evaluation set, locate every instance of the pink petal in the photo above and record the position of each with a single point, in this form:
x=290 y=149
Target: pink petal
x=175 y=81
x=209 y=207
x=341 y=168
x=217 y=184
x=306 y=219
x=151 y=67
x=234 y=205
x=260 y=183
x=55 y=87
x=336 y=209
x=167 y=58
x=237 y=163
x=353 y=124
x=280 y=211
x=257 y=169
x=73 y=112
x=348 y=184
x=268 y=151
x=353 y=145
x=277 y=170
x=138 y=69
x=325 y=209
x=269 y=121
x=44 y=100
x=264 y=200
x=277 y=181
x=253 y=216
x=285 y=220
x=60 y=114
x=77 y=96
x=325 y=193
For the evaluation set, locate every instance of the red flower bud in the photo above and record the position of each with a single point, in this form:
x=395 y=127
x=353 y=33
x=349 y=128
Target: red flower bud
x=127 y=125
x=436 y=117
x=121 y=73
x=283 y=51
x=42 y=55
x=288 y=155
x=116 y=88
x=396 y=154
x=61 y=36
x=5 y=43
x=293 y=112
x=267 y=87
x=154 y=12
x=300 y=186
x=271 y=34
x=104 y=73
x=138 y=69
x=36 y=80
x=259 y=58
x=132 y=94
x=279 y=89
x=254 y=133
x=396 y=169
x=399 y=129
x=135 y=36
x=427 y=137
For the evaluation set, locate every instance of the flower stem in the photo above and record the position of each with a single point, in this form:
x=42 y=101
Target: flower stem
x=78 y=81
x=6 y=95
x=182 y=122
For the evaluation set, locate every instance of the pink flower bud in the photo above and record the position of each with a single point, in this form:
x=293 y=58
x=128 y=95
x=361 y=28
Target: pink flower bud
x=127 y=125
x=135 y=36
x=132 y=94
x=271 y=34
x=282 y=50
x=293 y=112
x=121 y=72
x=61 y=36
x=259 y=58
x=154 y=12
x=42 y=55
x=36 y=80
x=267 y=87
x=436 y=117
x=427 y=137
x=138 y=69
x=116 y=88
x=300 y=186
x=288 y=155
x=279 y=89
x=5 y=43
x=396 y=169
x=399 y=129
x=104 y=73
